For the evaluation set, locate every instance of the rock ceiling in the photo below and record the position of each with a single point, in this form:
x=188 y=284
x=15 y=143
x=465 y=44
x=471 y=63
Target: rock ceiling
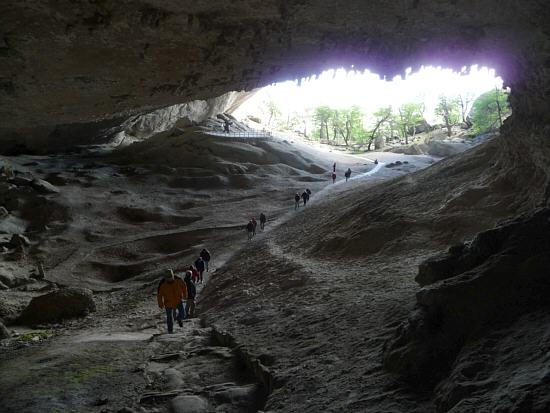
x=72 y=61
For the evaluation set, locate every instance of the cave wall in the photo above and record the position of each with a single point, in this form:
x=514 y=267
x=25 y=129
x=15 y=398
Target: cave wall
x=80 y=61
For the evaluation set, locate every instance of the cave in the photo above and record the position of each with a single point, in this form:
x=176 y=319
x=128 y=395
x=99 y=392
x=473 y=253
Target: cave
x=424 y=292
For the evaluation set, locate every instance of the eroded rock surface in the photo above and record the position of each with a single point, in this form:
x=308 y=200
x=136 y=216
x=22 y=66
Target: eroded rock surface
x=58 y=305
x=501 y=275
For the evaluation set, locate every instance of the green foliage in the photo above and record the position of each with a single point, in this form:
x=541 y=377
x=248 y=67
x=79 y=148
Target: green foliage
x=40 y=334
x=409 y=115
x=485 y=113
x=448 y=110
x=273 y=112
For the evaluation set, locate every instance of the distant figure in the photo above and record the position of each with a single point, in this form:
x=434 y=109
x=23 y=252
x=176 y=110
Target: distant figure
x=226 y=124
x=199 y=265
x=170 y=295
x=334 y=167
x=254 y=225
x=347 y=174
x=191 y=293
x=250 y=230
x=305 y=197
x=333 y=177
x=296 y=201
x=263 y=220
x=194 y=274
x=205 y=255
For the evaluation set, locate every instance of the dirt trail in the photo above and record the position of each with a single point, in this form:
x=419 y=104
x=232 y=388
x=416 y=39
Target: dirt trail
x=124 y=342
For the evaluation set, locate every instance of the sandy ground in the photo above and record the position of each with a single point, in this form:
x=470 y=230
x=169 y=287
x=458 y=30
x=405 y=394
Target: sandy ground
x=129 y=216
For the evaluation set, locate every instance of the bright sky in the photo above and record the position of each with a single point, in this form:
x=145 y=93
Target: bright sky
x=340 y=88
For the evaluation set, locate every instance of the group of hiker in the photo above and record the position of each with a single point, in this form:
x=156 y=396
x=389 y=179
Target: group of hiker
x=304 y=198
x=172 y=291
x=252 y=224
x=347 y=174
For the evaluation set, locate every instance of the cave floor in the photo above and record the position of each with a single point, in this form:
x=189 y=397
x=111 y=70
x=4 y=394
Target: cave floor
x=119 y=356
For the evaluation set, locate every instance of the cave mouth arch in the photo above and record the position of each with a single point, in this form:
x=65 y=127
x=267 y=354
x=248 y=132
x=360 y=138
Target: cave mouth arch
x=405 y=104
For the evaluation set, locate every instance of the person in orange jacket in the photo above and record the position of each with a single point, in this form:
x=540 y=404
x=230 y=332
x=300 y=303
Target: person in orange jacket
x=170 y=295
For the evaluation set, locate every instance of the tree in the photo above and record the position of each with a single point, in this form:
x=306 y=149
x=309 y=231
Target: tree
x=273 y=111
x=448 y=110
x=464 y=101
x=321 y=117
x=409 y=115
x=489 y=110
x=352 y=124
x=381 y=116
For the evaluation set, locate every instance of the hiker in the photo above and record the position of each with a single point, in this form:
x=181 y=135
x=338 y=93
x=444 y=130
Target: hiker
x=171 y=291
x=263 y=220
x=226 y=124
x=334 y=167
x=199 y=265
x=308 y=192
x=347 y=174
x=254 y=225
x=194 y=273
x=296 y=201
x=205 y=255
x=333 y=177
x=376 y=161
x=250 y=229
x=191 y=293
x=305 y=197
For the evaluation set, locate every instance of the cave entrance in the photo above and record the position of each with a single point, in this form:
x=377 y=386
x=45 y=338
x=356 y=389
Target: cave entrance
x=349 y=108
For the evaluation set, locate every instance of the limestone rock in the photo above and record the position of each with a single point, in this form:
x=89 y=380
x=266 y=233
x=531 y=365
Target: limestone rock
x=58 y=305
x=44 y=187
x=189 y=404
x=504 y=273
x=4 y=333
x=19 y=240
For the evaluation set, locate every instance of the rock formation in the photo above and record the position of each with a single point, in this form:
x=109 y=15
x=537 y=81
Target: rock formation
x=57 y=306
x=76 y=72
x=72 y=63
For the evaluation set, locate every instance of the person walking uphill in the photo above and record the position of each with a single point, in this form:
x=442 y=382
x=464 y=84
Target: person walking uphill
x=305 y=197
x=205 y=255
x=348 y=174
x=254 y=225
x=199 y=265
x=250 y=230
x=191 y=294
x=170 y=295
x=263 y=220
x=296 y=201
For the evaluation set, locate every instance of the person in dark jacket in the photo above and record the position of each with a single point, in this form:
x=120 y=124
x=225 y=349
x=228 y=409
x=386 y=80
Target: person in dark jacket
x=199 y=265
x=205 y=255
x=191 y=294
x=263 y=220
x=250 y=230
x=348 y=174
x=305 y=197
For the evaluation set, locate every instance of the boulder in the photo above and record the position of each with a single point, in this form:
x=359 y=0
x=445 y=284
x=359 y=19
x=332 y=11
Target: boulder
x=189 y=404
x=20 y=180
x=18 y=240
x=57 y=306
x=44 y=187
x=4 y=333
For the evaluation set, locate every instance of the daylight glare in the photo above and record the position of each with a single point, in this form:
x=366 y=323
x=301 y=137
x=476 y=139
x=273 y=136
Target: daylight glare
x=340 y=88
